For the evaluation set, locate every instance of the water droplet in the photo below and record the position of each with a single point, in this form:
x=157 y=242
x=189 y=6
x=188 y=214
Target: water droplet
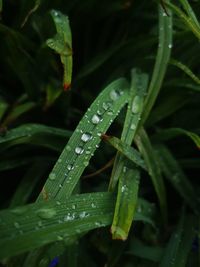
x=133 y=126
x=69 y=217
x=86 y=137
x=170 y=46
x=59 y=238
x=124 y=169
x=136 y=105
x=68 y=148
x=114 y=95
x=59 y=160
x=110 y=113
x=52 y=176
x=96 y=119
x=139 y=209
x=83 y=214
x=123 y=188
x=16 y=224
x=70 y=167
x=79 y=150
x=46 y=213
x=73 y=206
x=100 y=112
x=55 y=13
x=106 y=105
x=85 y=163
x=93 y=205
x=99 y=134
x=40 y=223
x=58 y=203
x=98 y=224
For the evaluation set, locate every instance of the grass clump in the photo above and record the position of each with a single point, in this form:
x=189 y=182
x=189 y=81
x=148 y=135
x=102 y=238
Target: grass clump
x=99 y=133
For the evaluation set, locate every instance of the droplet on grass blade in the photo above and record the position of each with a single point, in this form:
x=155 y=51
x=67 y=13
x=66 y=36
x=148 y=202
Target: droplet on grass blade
x=86 y=137
x=79 y=150
x=96 y=119
x=46 y=213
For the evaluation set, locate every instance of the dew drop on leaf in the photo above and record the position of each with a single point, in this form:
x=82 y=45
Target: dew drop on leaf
x=86 y=137
x=79 y=150
x=70 y=167
x=114 y=95
x=106 y=105
x=16 y=224
x=133 y=126
x=96 y=119
x=136 y=104
x=46 y=213
x=52 y=176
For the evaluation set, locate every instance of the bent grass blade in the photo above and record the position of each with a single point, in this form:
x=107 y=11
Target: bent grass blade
x=127 y=175
x=62 y=44
x=85 y=140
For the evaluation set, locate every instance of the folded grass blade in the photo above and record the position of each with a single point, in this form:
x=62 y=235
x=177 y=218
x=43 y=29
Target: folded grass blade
x=128 y=151
x=85 y=140
x=127 y=198
x=127 y=175
x=62 y=44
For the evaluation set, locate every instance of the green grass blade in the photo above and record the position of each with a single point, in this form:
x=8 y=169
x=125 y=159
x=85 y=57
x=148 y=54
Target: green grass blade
x=190 y=11
x=85 y=140
x=31 y=133
x=128 y=176
x=18 y=111
x=28 y=183
x=176 y=176
x=187 y=20
x=185 y=69
x=188 y=237
x=135 y=105
x=171 y=133
x=148 y=153
x=179 y=245
x=34 y=225
x=129 y=152
x=162 y=58
x=62 y=44
x=126 y=203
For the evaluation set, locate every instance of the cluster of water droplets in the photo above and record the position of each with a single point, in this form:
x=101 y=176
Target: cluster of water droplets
x=86 y=136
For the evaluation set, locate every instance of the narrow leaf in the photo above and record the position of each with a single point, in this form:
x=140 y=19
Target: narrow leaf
x=62 y=44
x=162 y=58
x=85 y=140
x=148 y=153
x=176 y=176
